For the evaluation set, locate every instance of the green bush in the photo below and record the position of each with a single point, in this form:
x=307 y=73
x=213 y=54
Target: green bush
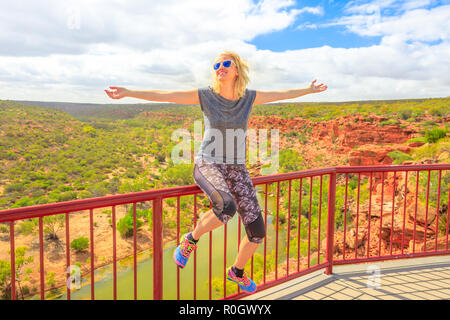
x=389 y=122
x=80 y=244
x=27 y=227
x=180 y=174
x=440 y=111
x=8 y=156
x=405 y=114
x=23 y=202
x=125 y=225
x=399 y=156
x=85 y=195
x=292 y=134
x=67 y=196
x=290 y=160
x=434 y=135
x=417 y=139
x=15 y=187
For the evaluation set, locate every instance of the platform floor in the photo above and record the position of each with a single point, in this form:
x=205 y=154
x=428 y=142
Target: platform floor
x=405 y=279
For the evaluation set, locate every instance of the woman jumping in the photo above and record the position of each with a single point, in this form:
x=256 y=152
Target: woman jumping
x=220 y=165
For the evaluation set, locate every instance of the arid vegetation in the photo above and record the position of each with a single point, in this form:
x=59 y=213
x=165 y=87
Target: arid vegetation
x=48 y=155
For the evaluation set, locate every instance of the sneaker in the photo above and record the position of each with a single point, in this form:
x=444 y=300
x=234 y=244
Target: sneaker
x=245 y=283
x=182 y=252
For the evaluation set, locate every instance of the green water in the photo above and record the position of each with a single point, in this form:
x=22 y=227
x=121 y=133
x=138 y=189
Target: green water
x=125 y=272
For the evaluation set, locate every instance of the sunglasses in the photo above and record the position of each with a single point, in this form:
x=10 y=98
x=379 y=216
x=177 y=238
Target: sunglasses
x=226 y=64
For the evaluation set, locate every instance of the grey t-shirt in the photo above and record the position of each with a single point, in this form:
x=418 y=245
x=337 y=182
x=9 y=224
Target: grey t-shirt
x=224 y=140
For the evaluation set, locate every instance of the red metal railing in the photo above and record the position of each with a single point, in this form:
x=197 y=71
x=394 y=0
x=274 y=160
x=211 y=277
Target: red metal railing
x=378 y=232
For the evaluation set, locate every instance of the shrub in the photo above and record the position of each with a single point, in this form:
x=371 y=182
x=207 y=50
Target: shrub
x=125 y=225
x=431 y=150
x=97 y=190
x=388 y=122
x=292 y=134
x=80 y=244
x=23 y=202
x=4 y=228
x=27 y=227
x=180 y=174
x=52 y=224
x=67 y=196
x=399 y=156
x=8 y=156
x=428 y=123
x=51 y=281
x=405 y=113
x=440 y=111
x=90 y=131
x=15 y=187
x=417 y=139
x=434 y=135
x=290 y=160
x=84 y=195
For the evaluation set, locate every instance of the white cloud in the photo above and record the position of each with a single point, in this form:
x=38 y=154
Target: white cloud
x=307 y=25
x=417 y=25
x=313 y=10
x=414 y=4
x=171 y=45
x=72 y=27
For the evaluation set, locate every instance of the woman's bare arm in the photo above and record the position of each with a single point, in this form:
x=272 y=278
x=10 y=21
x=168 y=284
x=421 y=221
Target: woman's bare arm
x=270 y=96
x=182 y=97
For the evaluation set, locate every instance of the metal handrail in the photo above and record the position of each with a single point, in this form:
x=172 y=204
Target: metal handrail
x=156 y=196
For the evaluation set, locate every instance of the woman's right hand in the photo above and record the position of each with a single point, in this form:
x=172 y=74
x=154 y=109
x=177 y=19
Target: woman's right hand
x=116 y=93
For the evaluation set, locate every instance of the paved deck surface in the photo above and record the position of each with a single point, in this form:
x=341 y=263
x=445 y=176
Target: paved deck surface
x=406 y=279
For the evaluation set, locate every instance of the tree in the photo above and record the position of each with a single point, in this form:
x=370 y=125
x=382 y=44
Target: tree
x=52 y=224
x=5 y=279
x=80 y=244
x=5 y=271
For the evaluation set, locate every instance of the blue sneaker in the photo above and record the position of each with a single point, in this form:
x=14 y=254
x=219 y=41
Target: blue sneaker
x=245 y=283
x=182 y=252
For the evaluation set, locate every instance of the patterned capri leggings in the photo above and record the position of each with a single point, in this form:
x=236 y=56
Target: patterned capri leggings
x=230 y=188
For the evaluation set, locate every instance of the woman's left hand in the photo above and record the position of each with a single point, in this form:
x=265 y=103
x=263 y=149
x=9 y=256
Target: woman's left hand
x=317 y=88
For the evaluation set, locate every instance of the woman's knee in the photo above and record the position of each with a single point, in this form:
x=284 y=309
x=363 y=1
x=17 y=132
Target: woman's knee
x=224 y=205
x=256 y=231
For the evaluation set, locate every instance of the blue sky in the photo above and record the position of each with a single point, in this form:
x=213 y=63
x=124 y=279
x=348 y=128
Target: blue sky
x=293 y=39
x=71 y=50
x=300 y=36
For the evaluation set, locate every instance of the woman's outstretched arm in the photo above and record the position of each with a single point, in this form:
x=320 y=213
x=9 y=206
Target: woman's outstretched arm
x=270 y=96
x=182 y=97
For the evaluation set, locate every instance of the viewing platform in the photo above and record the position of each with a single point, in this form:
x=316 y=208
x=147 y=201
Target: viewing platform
x=417 y=279
x=364 y=232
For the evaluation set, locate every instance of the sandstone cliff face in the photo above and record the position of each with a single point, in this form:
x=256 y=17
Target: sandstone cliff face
x=351 y=140
x=396 y=224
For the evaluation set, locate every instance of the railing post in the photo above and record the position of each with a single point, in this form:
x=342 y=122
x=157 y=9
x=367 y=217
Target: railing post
x=330 y=223
x=157 y=249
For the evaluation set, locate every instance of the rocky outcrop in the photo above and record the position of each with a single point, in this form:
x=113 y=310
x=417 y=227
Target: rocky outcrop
x=348 y=140
x=396 y=224
x=368 y=155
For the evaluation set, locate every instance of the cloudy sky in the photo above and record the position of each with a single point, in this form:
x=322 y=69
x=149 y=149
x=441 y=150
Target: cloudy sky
x=365 y=49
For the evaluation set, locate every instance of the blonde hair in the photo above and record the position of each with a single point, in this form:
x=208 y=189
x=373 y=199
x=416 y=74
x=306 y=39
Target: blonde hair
x=242 y=79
